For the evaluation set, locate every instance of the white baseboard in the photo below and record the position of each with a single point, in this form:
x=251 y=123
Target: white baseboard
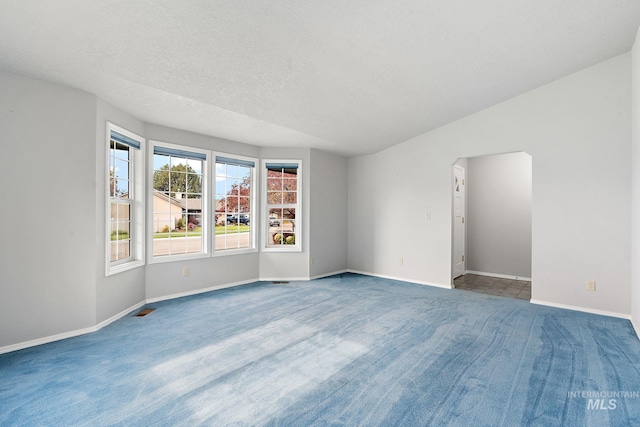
x=284 y=279
x=71 y=334
x=401 y=279
x=301 y=279
x=334 y=273
x=500 y=276
x=46 y=340
x=119 y=315
x=582 y=309
x=200 y=291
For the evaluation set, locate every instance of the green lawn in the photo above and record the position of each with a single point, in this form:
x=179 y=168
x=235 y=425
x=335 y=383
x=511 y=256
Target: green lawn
x=119 y=235
x=232 y=229
x=196 y=232
x=220 y=229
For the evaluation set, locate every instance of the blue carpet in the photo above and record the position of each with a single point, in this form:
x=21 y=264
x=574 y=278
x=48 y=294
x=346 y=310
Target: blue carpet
x=344 y=350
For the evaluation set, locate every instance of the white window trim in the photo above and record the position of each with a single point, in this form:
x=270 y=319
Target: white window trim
x=254 y=211
x=206 y=240
x=137 y=213
x=297 y=247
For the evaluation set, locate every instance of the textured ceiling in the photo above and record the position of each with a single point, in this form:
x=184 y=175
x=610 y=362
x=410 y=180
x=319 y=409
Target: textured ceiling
x=351 y=77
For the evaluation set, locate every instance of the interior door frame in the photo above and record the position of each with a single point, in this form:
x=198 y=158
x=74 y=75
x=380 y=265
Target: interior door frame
x=454 y=220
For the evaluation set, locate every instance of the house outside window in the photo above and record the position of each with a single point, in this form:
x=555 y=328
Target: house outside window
x=234 y=204
x=178 y=201
x=282 y=219
x=125 y=200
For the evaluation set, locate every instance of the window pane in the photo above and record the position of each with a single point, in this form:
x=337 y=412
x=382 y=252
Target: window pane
x=122 y=169
x=121 y=188
x=220 y=204
x=290 y=184
x=160 y=160
x=275 y=213
x=113 y=251
x=162 y=222
x=274 y=183
x=194 y=183
x=282 y=237
x=161 y=180
x=290 y=198
x=221 y=185
x=121 y=151
x=274 y=197
x=195 y=165
x=232 y=186
x=115 y=254
x=177 y=161
x=178 y=244
x=178 y=185
x=123 y=211
x=194 y=244
x=245 y=204
x=112 y=185
x=232 y=241
x=119 y=230
x=244 y=172
x=233 y=171
x=193 y=202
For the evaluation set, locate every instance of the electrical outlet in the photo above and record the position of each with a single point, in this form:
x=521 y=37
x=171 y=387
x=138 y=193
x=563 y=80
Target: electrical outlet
x=591 y=285
x=185 y=271
x=428 y=216
x=400 y=261
x=311 y=261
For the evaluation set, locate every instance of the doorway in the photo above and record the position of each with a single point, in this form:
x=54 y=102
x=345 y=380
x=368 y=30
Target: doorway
x=491 y=217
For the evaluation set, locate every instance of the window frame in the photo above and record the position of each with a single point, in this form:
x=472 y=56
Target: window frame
x=297 y=246
x=253 y=211
x=136 y=201
x=206 y=248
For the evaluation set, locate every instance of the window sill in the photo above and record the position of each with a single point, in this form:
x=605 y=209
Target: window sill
x=283 y=249
x=228 y=252
x=174 y=258
x=115 y=269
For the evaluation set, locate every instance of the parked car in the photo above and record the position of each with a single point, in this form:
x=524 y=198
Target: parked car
x=274 y=223
x=234 y=219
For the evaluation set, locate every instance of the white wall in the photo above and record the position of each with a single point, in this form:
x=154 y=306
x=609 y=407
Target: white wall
x=498 y=218
x=328 y=214
x=635 y=199
x=47 y=249
x=577 y=130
